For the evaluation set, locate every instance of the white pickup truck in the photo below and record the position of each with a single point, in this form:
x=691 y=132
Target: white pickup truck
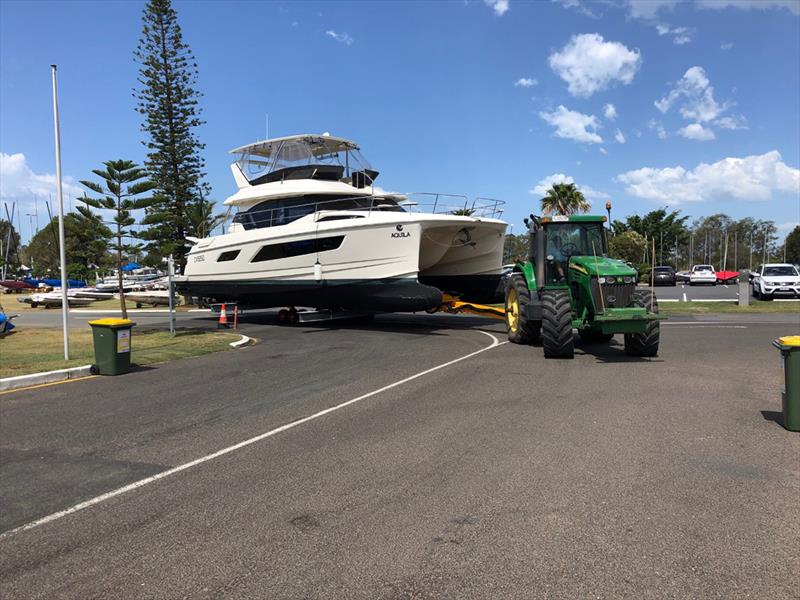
x=703 y=274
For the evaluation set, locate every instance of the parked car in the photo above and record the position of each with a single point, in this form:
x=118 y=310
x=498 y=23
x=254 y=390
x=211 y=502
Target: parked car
x=776 y=279
x=664 y=276
x=703 y=274
x=682 y=276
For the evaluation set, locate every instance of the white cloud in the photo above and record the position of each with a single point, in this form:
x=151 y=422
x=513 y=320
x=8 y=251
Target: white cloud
x=726 y=45
x=342 y=38
x=695 y=131
x=658 y=127
x=572 y=125
x=589 y=64
x=500 y=7
x=526 y=82
x=732 y=122
x=793 y=6
x=545 y=184
x=681 y=35
x=603 y=150
x=784 y=229
x=619 y=136
x=578 y=7
x=648 y=9
x=610 y=112
x=696 y=95
x=19 y=183
x=754 y=177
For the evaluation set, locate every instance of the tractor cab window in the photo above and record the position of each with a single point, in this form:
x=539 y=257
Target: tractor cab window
x=565 y=240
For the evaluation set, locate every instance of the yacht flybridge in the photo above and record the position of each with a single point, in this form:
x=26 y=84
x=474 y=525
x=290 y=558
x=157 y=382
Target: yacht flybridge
x=312 y=229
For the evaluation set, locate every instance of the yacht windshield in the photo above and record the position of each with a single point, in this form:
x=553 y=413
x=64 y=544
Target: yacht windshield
x=304 y=158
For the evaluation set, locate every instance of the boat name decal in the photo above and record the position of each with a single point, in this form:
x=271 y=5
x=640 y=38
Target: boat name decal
x=400 y=233
x=199 y=258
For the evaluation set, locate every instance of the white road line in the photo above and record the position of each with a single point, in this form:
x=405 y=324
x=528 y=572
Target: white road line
x=715 y=300
x=706 y=326
x=199 y=461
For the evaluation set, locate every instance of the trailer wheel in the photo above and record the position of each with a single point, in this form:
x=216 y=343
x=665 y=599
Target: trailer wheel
x=557 y=339
x=644 y=344
x=520 y=330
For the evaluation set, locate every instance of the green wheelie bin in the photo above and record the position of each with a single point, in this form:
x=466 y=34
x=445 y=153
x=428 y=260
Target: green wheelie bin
x=112 y=345
x=790 y=397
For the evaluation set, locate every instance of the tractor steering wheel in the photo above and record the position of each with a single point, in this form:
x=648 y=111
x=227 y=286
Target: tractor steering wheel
x=569 y=250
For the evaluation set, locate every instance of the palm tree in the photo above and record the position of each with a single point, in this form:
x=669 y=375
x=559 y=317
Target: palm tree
x=202 y=219
x=124 y=181
x=564 y=199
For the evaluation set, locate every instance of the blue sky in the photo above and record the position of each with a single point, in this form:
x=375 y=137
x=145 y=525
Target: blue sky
x=649 y=103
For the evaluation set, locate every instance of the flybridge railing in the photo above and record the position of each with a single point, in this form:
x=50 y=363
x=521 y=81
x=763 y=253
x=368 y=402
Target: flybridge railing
x=417 y=202
x=453 y=204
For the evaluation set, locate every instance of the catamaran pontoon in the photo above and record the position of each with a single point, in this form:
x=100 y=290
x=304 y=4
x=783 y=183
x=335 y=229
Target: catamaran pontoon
x=312 y=230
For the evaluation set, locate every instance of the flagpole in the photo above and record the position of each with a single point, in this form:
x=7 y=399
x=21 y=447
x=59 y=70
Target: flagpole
x=61 y=241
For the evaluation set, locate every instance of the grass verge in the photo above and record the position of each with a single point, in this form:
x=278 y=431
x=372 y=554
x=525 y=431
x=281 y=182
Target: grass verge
x=34 y=350
x=756 y=306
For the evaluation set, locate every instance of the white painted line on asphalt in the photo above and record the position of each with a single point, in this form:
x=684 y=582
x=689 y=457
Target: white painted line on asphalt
x=715 y=300
x=199 y=461
x=662 y=300
x=707 y=326
x=786 y=299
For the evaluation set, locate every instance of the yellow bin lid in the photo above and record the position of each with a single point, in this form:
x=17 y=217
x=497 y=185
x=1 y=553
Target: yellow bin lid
x=112 y=322
x=790 y=340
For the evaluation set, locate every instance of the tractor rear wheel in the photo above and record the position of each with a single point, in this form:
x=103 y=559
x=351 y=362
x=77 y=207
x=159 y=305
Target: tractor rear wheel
x=644 y=344
x=520 y=330
x=557 y=339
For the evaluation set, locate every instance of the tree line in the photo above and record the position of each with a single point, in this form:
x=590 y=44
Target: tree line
x=666 y=237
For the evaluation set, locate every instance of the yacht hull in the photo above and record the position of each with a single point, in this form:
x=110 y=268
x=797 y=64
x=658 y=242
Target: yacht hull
x=382 y=262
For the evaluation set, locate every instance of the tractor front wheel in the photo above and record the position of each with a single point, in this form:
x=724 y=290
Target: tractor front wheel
x=518 y=296
x=557 y=339
x=644 y=344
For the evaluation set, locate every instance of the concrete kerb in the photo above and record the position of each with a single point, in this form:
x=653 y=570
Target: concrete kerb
x=244 y=341
x=12 y=383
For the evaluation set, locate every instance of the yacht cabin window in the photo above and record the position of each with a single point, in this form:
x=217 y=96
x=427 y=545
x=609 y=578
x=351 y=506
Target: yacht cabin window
x=272 y=213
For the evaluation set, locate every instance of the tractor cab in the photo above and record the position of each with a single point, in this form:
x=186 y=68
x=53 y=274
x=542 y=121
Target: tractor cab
x=565 y=238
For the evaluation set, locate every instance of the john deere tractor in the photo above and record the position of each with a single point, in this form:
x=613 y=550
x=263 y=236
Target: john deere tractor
x=569 y=282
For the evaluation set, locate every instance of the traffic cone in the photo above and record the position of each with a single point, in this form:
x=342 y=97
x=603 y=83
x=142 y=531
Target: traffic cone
x=223 y=318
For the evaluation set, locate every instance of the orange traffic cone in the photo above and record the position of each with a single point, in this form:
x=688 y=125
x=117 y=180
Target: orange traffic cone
x=223 y=318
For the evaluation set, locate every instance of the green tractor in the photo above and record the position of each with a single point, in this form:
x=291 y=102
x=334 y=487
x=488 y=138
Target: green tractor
x=569 y=282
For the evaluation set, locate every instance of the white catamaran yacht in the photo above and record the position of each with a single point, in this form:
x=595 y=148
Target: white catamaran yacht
x=312 y=230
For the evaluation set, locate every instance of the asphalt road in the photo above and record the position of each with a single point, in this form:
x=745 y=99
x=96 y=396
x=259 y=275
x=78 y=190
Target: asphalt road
x=500 y=475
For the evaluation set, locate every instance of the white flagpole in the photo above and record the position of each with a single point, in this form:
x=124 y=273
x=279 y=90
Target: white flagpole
x=62 y=248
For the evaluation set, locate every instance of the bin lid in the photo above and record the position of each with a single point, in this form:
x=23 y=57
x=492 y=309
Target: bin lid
x=788 y=342
x=112 y=322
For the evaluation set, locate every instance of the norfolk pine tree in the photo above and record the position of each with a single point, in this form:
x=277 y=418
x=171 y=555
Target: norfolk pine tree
x=169 y=103
x=124 y=181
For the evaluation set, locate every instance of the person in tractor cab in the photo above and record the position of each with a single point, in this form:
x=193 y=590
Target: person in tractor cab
x=559 y=259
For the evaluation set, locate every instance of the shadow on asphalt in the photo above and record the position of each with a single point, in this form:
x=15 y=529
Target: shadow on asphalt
x=613 y=352
x=420 y=324
x=773 y=415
